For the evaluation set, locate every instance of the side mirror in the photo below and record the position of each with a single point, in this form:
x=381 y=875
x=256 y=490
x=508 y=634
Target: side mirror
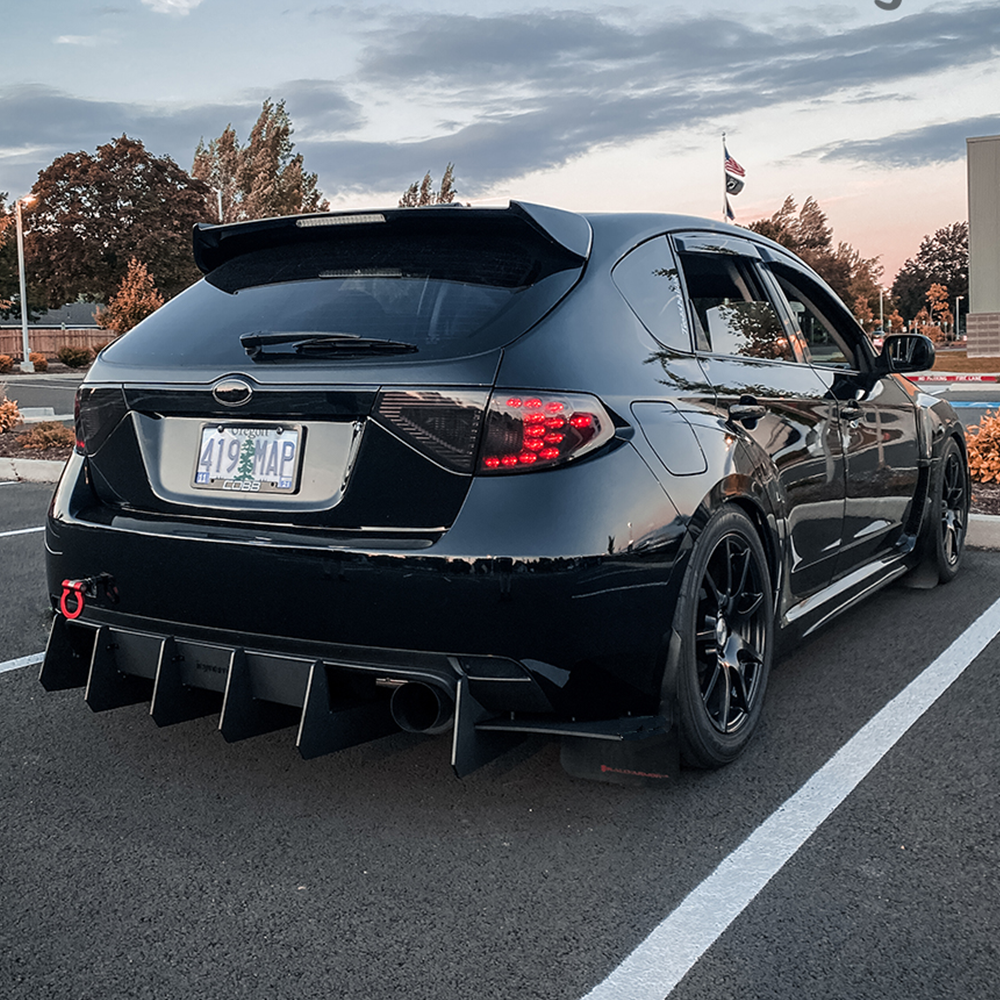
x=906 y=352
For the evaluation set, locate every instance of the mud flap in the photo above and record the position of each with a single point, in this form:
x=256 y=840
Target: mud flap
x=107 y=686
x=63 y=667
x=324 y=730
x=645 y=762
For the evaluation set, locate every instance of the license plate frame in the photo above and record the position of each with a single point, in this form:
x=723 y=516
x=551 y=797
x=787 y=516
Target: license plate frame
x=248 y=459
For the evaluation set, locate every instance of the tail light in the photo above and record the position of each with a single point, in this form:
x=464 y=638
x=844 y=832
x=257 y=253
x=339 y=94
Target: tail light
x=97 y=412
x=523 y=430
x=442 y=424
x=539 y=430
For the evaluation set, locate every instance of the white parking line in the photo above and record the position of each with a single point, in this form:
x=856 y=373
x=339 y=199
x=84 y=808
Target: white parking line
x=23 y=661
x=20 y=531
x=653 y=970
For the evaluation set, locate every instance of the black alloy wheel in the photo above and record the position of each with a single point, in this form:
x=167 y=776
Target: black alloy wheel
x=953 y=511
x=725 y=623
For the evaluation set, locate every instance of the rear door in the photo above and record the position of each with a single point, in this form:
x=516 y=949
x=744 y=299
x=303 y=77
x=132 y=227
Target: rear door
x=877 y=418
x=752 y=357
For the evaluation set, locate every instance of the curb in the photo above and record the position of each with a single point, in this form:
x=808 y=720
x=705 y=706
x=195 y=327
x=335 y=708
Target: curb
x=30 y=470
x=984 y=531
x=953 y=377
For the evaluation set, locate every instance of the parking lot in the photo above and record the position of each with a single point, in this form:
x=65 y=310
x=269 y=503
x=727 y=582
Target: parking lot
x=146 y=862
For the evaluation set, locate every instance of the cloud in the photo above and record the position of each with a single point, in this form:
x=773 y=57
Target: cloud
x=519 y=93
x=542 y=88
x=940 y=143
x=316 y=107
x=178 y=7
x=88 y=41
x=41 y=123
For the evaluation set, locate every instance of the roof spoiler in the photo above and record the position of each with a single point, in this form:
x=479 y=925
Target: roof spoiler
x=214 y=244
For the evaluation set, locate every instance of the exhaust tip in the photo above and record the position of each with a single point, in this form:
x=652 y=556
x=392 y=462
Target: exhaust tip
x=422 y=708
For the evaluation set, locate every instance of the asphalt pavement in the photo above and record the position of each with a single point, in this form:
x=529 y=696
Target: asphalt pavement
x=164 y=863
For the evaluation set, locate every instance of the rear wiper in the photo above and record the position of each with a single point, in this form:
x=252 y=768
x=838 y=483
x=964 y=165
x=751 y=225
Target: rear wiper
x=305 y=344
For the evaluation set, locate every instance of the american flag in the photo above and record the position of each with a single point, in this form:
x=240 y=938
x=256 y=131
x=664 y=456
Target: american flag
x=732 y=167
x=734 y=174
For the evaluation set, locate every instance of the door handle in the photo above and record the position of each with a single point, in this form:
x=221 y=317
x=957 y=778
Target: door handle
x=747 y=411
x=851 y=410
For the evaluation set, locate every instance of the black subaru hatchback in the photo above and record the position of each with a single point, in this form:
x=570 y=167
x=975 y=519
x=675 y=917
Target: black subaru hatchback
x=490 y=472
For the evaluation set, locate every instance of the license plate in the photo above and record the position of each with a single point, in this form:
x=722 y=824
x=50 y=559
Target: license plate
x=241 y=459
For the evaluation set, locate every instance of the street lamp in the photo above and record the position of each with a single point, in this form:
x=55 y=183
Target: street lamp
x=958 y=298
x=26 y=363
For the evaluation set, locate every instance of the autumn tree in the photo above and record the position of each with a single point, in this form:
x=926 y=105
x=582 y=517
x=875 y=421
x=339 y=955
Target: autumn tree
x=806 y=233
x=937 y=300
x=421 y=193
x=93 y=214
x=135 y=299
x=261 y=179
x=942 y=259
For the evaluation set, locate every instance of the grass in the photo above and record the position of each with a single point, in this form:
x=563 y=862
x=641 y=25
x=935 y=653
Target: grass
x=958 y=361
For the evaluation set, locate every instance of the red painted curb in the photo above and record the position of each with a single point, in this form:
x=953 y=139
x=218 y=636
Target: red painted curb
x=954 y=378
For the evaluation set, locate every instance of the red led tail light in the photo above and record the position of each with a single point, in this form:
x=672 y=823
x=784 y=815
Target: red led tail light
x=539 y=430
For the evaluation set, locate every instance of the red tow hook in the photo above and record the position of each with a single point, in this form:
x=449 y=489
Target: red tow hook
x=82 y=589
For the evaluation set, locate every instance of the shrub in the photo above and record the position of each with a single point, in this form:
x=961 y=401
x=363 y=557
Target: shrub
x=6 y=364
x=39 y=360
x=75 y=357
x=48 y=434
x=10 y=415
x=984 y=448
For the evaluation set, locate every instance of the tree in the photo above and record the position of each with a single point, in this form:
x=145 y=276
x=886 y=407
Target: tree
x=937 y=298
x=805 y=232
x=135 y=299
x=264 y=177
x=93 y=214
x=420 y=193
x=942 y=259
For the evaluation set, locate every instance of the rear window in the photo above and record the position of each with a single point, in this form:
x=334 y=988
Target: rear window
x=441 y=294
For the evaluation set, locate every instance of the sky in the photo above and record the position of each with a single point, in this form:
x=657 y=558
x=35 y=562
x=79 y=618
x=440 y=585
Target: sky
x=586 y=106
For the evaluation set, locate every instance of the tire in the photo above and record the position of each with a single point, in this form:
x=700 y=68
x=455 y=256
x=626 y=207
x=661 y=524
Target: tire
x=942 y=539
x=725 y=622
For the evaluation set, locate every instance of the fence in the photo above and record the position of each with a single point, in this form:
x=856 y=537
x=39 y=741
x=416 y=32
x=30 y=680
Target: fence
x=48 y=342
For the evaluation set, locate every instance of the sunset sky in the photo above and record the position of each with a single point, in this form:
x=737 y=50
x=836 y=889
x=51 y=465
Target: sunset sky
x=583 y=105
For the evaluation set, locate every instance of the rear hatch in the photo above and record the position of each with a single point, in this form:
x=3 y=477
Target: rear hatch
x=330 y=371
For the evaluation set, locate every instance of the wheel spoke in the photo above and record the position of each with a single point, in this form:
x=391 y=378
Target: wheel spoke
x=756 y=600
x=744 y=573
x=713 y=680
x=725 y=701
x=712 y=586
x=739 y=697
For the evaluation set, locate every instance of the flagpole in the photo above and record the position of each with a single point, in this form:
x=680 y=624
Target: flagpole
x=725 y=194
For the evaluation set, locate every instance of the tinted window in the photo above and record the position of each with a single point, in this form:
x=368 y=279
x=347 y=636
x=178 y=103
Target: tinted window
x=829 y=332
x=732 y=315
x=447 y=297
x=650 y=283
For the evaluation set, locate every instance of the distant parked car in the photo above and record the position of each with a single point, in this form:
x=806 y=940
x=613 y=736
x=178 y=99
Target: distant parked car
x=490 y=472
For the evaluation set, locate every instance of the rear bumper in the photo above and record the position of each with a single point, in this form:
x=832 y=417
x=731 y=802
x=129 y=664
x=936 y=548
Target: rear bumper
x=579 y=596
x=337 y=697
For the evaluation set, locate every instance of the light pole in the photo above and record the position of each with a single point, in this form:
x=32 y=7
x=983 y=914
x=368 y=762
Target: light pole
x=881 y=313
x=26 y=363
x=958 y=298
